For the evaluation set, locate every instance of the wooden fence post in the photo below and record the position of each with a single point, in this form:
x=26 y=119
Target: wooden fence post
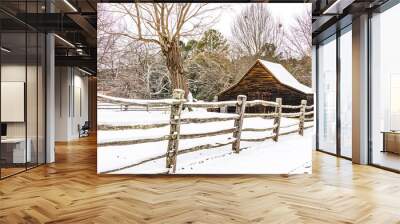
x=277 y=120
x=240 y=109
x=215 y=99
x=174 y=132
x=302 y=116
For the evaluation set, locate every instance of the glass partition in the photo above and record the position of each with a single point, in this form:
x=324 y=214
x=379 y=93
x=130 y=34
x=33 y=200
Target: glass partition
x=13 y=94
x=22 y=78
x=327 y=95
x=385 y=89
x=41 y=97
x=346 y=92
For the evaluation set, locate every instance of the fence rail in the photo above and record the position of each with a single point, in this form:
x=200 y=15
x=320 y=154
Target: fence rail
x=177 y=103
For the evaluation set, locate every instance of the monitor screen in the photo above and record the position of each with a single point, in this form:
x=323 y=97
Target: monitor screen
x=3 y=129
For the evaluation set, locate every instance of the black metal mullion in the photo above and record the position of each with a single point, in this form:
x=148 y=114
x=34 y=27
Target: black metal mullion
x=338 y=95
x=26 y=87
x=0 y=96
x=316 y=107
x=73 y=92
x=45 y=89
x=369 y=90
x=37 y=91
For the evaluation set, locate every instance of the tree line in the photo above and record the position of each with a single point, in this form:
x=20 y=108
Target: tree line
x=147 y=49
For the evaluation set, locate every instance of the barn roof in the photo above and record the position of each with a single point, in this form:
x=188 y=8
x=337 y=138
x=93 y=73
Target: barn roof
x=285 y=77
x=281 y=74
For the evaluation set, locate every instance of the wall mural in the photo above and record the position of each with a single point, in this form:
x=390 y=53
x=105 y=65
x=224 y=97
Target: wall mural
x=204 y=88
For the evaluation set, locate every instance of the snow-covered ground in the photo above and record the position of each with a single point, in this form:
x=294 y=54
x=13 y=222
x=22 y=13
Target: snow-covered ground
x=290 y=155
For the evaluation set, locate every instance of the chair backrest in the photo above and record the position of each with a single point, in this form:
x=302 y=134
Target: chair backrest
x=86 y=125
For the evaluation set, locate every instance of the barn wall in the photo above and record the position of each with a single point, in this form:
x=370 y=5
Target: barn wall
x=260 y=84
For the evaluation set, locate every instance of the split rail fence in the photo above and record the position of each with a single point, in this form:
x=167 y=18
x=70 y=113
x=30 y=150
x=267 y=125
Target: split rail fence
x=178 y=103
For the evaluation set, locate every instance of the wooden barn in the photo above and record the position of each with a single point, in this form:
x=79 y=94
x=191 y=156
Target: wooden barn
x=267 y=81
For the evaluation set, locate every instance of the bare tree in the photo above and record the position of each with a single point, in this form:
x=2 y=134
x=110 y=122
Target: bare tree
x=299 y=38
x=254 y=29
x=107 y=49
x=164 y=25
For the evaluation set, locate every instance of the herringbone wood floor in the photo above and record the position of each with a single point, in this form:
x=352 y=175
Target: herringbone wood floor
x=70 y=191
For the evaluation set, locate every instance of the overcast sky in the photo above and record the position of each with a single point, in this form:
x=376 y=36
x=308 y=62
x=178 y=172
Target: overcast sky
x=285 y=12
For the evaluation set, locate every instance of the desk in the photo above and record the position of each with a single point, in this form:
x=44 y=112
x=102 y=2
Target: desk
x=13 y=150
x=391 y=141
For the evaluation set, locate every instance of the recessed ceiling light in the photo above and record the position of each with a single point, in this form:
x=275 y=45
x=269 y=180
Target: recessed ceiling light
x=5 y=50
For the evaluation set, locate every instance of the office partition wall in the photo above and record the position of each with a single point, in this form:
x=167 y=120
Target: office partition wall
x=22 y=87
x=333 y=61
x=14 y=148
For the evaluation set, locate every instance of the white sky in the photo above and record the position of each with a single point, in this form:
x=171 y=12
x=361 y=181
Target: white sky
x=285 y=12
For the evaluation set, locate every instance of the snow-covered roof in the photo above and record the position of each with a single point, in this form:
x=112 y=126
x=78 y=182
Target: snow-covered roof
x=281 y=74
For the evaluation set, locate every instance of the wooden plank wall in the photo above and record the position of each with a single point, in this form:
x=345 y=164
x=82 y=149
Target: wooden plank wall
x=259 y=84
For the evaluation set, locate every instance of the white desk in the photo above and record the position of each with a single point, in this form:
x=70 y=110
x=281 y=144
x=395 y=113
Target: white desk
x=18 y=151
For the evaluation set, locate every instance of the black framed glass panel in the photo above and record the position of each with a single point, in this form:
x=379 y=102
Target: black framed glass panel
x=22 y=88
x=385 y=89
x=14 y=153
x=327 y=95
x=346 y=92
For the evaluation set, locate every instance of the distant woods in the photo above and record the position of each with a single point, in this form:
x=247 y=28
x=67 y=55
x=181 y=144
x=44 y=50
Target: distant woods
x=146 y=50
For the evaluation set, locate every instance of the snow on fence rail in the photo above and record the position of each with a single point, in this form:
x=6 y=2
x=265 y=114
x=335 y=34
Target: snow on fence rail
x=177 y=103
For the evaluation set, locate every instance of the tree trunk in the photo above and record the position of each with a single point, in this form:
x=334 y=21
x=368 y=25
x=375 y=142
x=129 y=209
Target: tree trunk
x=172 y=53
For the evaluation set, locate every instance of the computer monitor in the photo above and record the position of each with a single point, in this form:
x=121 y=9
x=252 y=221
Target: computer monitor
x=3 y=129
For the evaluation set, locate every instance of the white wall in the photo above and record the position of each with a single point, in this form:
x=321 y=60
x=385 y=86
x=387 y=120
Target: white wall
x=14 y=73
x=70 y=84
x=62 y=81
x=50 y=93
x=80 y=110
x=34 y=124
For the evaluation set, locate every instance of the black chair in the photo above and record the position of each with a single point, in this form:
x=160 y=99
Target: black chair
x=84 y=130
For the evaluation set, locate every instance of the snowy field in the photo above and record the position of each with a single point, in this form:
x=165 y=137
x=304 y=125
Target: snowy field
x=290 y=155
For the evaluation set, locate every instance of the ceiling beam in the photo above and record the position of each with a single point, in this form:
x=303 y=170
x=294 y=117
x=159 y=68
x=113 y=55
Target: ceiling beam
x=76 y=61
x=89 y=30
x=337 y=7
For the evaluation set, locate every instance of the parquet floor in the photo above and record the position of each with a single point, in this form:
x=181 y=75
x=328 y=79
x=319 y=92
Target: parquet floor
x=70 y=191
